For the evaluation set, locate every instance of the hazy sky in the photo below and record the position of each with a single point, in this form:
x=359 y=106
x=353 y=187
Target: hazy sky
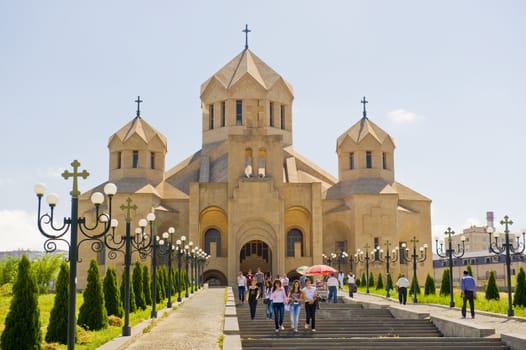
x=446 y=79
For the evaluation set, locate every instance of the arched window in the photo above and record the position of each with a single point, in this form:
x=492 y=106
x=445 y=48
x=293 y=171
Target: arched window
x=262 y=160
x=213 y=236
x=248 y=162
x=294 y=236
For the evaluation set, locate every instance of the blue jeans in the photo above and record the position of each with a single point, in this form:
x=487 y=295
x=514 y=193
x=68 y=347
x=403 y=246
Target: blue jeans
x=269 y=309
x=333 y=293
x=279 y=310
x=241 y=291
x=295 y=314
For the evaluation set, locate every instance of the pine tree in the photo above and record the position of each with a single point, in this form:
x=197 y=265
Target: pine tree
x=412 y=286
x=146 y=285
x=133 y=306
x=429 y=288
x=380 y=282
x=363 y=280
x=92 y=313
x=112 y=295
x=159 y=287
x=57 y=329
x=371 y=280
x=389 y=285
x=445 y=284
x=22 y=324
x=137 y=286
x=492 y=291
x=469 y=270
x=519 y=298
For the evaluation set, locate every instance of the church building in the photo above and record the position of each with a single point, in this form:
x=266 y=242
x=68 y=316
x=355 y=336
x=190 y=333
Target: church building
x=250 y=200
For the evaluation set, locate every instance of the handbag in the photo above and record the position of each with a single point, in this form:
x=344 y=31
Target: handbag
x=266 y=301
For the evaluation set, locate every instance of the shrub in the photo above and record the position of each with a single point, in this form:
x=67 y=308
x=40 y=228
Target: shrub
x=445 y=284
x=115 y=321
x=389 y=285
x=412 y=286
x=519 y=298
x=92 y=313
x=469 y=270
x=57 y=329
x=137 y=286
x=133 y=306
x=358 y=283
x=81 y=335
x=112 y=295
x=429 y=288
x=22 y=324
x=492 y=291
x=50 y=346
x=363 y=280
x=371 y=280
x=380 y=282
x=146 y=285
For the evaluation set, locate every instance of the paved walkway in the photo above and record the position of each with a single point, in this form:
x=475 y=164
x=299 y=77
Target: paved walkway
x=196 y=324
x=501 y=323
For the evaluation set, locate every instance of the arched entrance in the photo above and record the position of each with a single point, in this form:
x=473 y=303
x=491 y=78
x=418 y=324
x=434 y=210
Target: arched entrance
x=214 y=278
x=255 y=254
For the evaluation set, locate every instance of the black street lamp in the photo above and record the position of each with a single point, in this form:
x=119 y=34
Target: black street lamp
x=340 y=256
x=387 y=259
x=191 y=257
x=328 y=259
x=169 y=249
x=415 y=258
x=139 y=242
x=180 y=252
x=74 y=224
x=186 y=259
x=450 y=253
x=509 y=249
x=360 y=258
x=150 y=246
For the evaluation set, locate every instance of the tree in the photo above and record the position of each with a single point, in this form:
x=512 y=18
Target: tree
x=146 y=285
x=371 y=280
x=45 y=269
x=429 y=288
x=492 y=291
x=92 y=313
x=445 y=284
x=389 y=285
x=363 y=280
x=519 y=298
x=133 y=306
x=22 y=324
x=137 y=286
x=57 y=329
x=469 y=270
x=412 y=286
x=380 y=282
x=8 y=269
x=112 y=295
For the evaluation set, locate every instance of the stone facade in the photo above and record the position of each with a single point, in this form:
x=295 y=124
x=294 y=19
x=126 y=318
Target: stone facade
x=249 y=199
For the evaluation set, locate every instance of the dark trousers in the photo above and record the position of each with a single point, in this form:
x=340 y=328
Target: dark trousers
x=351 y=289
x=241 y=291
x=310 y=311
x=468 y=296
x=402 y=295
x=252 y=305
x=279 y=310
x=333 y=294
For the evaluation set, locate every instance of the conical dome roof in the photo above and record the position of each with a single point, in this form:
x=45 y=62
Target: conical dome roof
x=363 y=128
x=138 y=126
x=246 y=63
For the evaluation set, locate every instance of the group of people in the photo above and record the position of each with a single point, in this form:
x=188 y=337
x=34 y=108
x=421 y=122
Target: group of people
x=278 y=297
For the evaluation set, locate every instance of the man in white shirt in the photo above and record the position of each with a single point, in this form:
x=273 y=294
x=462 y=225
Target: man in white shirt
x=241 y=286
x=351 y=282
x=341 y=275
x=402 y=285
x=332 y=283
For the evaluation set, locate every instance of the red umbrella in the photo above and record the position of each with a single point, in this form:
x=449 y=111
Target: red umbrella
x=320 y=270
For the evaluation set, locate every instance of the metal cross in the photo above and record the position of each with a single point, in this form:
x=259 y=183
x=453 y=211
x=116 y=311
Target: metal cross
x=506 y=222
x=246 y=31
x=138 y=101
x=75 y=174
x=364 y=101
x=128 y=207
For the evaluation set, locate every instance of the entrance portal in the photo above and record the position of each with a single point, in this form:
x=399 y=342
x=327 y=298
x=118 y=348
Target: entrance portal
x=255 y=254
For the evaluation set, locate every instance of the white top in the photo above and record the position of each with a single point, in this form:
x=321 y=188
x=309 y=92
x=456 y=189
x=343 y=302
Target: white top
x=241 y=281
x=285 y=281
x=278 y=296
x=402 y=282
x=332 y=282
x=350 y=279
x=309 y=293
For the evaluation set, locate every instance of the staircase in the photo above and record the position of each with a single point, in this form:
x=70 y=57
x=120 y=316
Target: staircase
x=349 y=326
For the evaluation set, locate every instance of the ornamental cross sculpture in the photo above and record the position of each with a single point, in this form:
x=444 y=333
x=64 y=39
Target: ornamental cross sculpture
x=364 y=101
x=128 y=207
x=138 y=101
x=246 y=31
x=75 y=174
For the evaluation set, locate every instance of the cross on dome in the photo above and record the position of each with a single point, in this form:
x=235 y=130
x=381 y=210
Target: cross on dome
x=364 y=101
x=246 y=31
x=138 y=101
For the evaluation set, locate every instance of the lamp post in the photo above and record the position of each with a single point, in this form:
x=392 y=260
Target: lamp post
x=360 y=258
x=180 y=252
x=170 y=248
x=415 y=258
x=341 y=256
x=450 y=253
x=387 y=260
x=186 y=258
x=139 y=242
x=507 y=248
x=74 y=224
x=191 y=252
x=328 y=259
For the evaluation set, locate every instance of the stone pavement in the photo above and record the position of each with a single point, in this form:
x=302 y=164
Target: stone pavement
x=197 y=323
